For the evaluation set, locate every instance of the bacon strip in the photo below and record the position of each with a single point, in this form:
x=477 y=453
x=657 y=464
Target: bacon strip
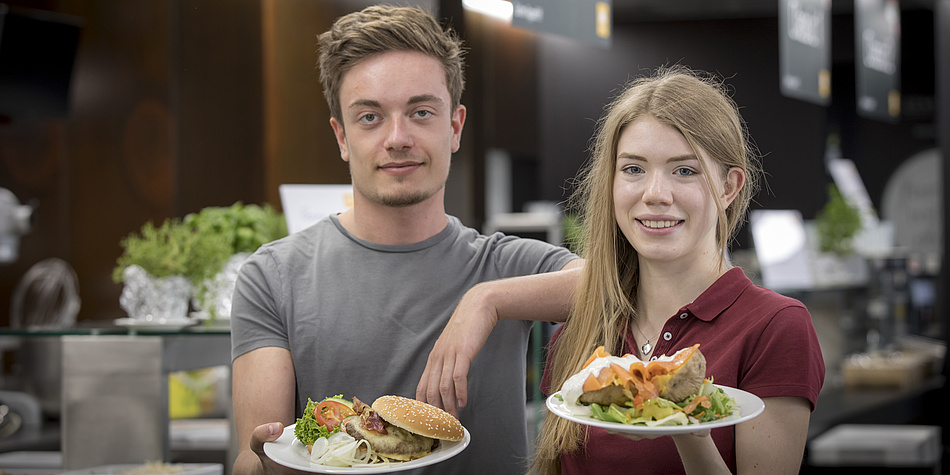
x=369 y=419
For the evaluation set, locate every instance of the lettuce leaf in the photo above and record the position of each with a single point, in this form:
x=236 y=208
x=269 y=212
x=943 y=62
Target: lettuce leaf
x=308 y=429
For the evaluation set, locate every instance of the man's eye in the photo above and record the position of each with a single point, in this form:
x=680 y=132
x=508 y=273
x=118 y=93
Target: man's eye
x=423 y=114
x=368 y=118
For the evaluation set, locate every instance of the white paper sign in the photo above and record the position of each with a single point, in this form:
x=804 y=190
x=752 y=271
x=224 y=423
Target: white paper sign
x=304 y=205
x=781 y=246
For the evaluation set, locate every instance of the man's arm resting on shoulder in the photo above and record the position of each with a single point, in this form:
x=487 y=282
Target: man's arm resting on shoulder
x=263 y=393
x=538 y=297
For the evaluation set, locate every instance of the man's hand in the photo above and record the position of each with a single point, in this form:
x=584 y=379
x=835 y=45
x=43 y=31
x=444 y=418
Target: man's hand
x=444 y=382
x=263 y=433
x=538 y=297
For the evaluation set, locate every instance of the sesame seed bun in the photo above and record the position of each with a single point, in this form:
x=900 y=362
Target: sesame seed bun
x=419 y=418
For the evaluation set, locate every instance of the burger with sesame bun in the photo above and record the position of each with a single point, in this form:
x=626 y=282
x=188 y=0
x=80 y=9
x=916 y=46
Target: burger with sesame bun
x=400 y=428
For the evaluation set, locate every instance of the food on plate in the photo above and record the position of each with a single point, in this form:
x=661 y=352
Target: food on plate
x=341 y=433
x=670 y=390
x=321 y=420
x=400 y=428
x=673 y=378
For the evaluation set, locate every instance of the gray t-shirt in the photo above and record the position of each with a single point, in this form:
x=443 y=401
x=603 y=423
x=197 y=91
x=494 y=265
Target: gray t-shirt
x=360 y=319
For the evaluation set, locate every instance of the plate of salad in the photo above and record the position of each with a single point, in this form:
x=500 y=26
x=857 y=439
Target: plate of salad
x=726 y=407
x=336 y=452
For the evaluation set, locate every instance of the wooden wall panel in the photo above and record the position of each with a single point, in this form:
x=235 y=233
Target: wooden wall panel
x=166 y=118
x=299 y=144
x=219 y=103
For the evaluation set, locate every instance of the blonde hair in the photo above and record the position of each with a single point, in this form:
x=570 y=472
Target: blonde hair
x=380 y=29
x=699 y=107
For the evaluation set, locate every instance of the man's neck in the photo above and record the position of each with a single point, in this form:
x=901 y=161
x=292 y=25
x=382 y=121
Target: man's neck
x=395 y=225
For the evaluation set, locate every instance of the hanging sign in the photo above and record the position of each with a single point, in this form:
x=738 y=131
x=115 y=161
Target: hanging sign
x=805 y=49
x=877 y=41
x=585 y=20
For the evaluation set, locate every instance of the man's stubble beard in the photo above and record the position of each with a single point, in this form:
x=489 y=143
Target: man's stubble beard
x=400 y=199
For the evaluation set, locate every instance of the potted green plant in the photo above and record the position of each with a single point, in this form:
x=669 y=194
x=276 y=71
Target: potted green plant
x=161 y=265
x=838 y=222
x=244 y=228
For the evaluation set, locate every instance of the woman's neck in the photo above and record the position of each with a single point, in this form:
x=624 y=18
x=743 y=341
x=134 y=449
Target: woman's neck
x=664 y=288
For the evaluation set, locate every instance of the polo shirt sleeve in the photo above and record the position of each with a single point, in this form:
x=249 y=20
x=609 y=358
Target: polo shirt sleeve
x=786 y=361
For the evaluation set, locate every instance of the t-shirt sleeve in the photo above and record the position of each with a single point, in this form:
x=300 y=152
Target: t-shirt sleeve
x=786 y=360
x=524 y=256
x=255 y=316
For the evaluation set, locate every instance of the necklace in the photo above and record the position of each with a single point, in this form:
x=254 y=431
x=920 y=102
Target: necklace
x=646 y=347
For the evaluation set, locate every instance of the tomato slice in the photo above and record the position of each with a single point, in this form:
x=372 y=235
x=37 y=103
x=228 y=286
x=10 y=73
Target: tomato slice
x=330 y=414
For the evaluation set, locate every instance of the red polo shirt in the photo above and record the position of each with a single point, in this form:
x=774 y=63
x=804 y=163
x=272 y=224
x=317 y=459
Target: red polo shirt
x=753 y=339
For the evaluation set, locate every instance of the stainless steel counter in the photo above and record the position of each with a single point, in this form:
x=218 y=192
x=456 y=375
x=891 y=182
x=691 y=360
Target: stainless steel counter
x=115 y=393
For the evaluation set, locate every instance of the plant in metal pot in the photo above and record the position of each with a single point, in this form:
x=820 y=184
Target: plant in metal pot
x=161 y=265
x=244 y=228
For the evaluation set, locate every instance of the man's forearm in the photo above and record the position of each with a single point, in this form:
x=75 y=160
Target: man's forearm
x=539 y=297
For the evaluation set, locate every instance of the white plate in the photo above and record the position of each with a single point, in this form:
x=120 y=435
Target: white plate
x=162 y=324
x=290 y=452
x=207 y=323
x=749 y=406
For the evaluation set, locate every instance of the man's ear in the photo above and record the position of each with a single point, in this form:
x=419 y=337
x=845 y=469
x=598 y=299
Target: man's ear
x=340 y=135
x=458 y=122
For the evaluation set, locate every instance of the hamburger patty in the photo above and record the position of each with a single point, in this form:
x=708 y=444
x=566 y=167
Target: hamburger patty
x=396 y=444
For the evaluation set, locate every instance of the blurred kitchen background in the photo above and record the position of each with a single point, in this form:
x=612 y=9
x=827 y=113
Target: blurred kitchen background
x=116 y=113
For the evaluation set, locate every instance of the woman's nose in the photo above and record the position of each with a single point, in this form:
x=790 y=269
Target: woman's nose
x=657 y=189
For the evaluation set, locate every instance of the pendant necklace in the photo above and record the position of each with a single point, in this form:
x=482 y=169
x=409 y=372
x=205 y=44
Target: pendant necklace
x=646 y=347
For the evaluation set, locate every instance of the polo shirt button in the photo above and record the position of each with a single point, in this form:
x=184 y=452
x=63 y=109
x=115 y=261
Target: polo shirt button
x=683 y=315
x=667 y=336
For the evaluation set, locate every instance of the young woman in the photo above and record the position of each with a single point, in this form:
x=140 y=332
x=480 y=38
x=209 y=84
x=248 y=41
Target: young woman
x=669 y=182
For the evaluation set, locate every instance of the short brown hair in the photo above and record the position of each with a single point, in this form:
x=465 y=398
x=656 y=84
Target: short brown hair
x=379 y=29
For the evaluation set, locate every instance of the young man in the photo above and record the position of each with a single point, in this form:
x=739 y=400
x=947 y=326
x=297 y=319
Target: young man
x=353 y=304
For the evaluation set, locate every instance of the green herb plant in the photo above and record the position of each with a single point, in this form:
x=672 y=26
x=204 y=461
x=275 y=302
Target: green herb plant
x=199 y=245
x=244 y=227
x=837 y=224
x=173 y=249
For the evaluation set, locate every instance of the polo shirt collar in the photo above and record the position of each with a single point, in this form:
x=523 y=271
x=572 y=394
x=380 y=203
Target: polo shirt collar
x=719 y=296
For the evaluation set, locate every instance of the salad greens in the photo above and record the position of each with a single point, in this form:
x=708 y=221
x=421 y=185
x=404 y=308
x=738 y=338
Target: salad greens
x=708 y=404
x=308 y=429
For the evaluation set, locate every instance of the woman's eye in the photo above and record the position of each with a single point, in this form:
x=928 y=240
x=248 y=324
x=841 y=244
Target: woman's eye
x=632 y=169
x=685 y=171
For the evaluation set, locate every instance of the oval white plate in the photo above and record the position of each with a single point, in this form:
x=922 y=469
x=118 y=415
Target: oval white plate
x=161 y=324
x=749 y=406
x=290 y=452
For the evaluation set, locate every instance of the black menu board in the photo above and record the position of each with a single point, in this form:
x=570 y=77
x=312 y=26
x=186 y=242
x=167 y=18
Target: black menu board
x=586 y=20
x=877 y=40
x=805 y=49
